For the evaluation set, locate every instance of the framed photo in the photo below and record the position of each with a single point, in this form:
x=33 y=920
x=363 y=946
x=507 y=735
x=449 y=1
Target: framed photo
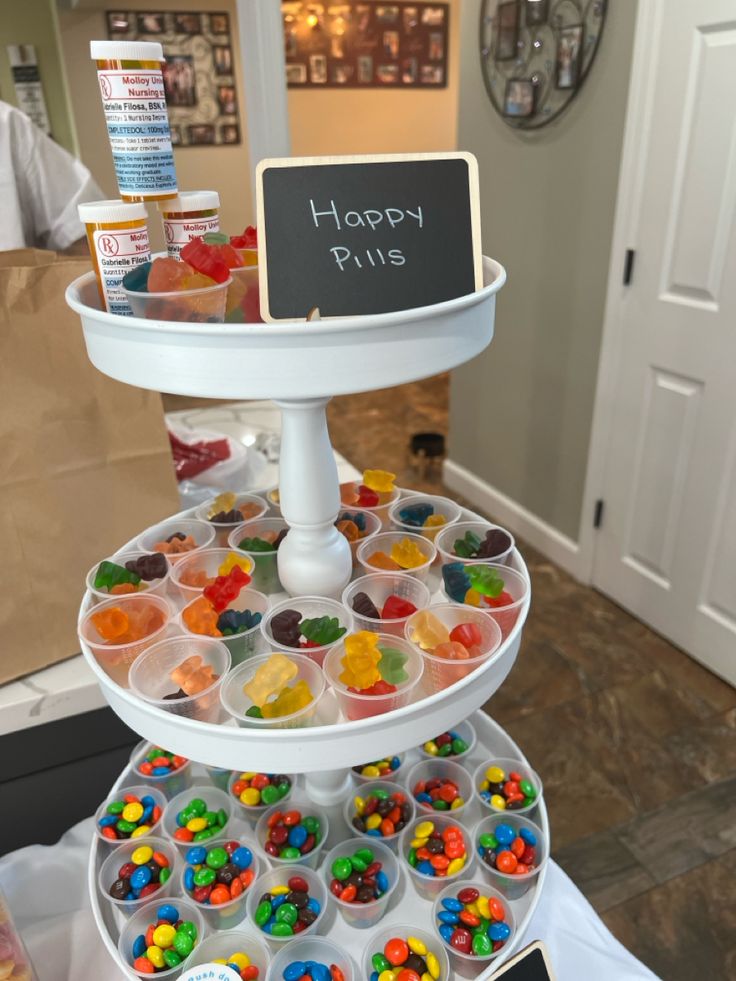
x=362 y=19
x=201 y=134
x=318 y=69
x=226 y=99
x=387 y=15
x=337 y=46
x=219 y=23
x=409 y=71
x=569 y=56
x=187 y=24
x=230 y=133
x=118 y=22
x=296 y=74
x=387 y=74
x=390 y=44
x=536 y=12
x=222 y=57
x=341 y=74
x=507 y=32
x=433 y=16
x=432 y=75
x=519 y=98
x=365 y=69
x=175 y=135
x=410 y=19
x=149 y=23
x=436 y=51
x=179 y=80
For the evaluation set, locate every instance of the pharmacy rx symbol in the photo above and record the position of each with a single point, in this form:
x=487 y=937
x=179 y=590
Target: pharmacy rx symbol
x=105 y=87
x=108 y=245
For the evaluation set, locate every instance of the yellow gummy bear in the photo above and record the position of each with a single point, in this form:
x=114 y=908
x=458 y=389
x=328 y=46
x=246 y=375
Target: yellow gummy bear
x=287 y=701
x=472 y=598
x=361 y=660
x=223 y=502
x=427 y=631
x=435 y=520
x=234 y=559
x=270 y=678
x=407 y=554
x=380 y=481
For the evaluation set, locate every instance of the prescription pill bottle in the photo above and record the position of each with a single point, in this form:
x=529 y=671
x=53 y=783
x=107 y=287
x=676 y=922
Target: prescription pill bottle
x=118 y=241
x=134 y=102
x=190 y=215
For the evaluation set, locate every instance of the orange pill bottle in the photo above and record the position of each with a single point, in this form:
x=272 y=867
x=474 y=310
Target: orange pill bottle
x=130 y=75
x=189 y=215
x=117 y=233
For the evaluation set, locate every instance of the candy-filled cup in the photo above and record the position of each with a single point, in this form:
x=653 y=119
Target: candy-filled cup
x=510 y=885
x=363 y=915
x=517 y=587
x=250 y=813
x=356 y=705
x=387 y=790
x=310 y=608
x=217 y=804
x=122 y=855
x=149 y=614
x=169 y=780
x=225 y=943
x=372 y=527
x=451 y=511
x=441 y=672
x=237 y=703
x=385 y=542
x=377 y=943
x=447 y=536
x=310 y=814
x=229 y=914
x=464 y=964
x=378 y=588
x=139 y=922
x=273 y=496
x=205 y=305
x=149 y=797
x=445 y=770
x=265 y=567
x=152 y=587
x=252 y=502
x=428 y=886
x=247 y=643
x=243 y=296
x=486 y=796
x=317 y=949
x=463 y=731
x=348 y=500
x=377 y=772
x=198 y=566
x=276 y=879
x=202 y=534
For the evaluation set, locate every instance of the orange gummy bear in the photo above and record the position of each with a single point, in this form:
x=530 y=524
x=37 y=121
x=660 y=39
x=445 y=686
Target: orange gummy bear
x=349 y=529
x=197 y=578
x=201 y=618
x=193 y=675
x=453 y=650
x=110 y=623
x=176 y=546
x=379 y=560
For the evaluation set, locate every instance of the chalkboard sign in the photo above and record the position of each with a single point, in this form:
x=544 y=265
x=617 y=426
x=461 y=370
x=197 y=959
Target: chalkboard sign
x=530 y=964
x=366 y=235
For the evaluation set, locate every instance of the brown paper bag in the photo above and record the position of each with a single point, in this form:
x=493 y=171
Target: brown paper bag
x=84 y=462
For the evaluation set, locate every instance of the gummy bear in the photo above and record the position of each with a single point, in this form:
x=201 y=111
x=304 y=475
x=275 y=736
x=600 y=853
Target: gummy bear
x=223 y=502
x=427 y=631
x=349 y=493
x=484 y=580
x=407 y=554
x=357 y=518
x=285 y=628
x=248 y=510
x=322 y=630
x=256 y=545
x=456 y=581
x=226 y=588
x=143 y=619
x=270 y=678
x=467 y=634
x=496 y=542
x=175 y=544
x=232 y=560
x=349 y=529
x=380 y=687
x=391 y=666
x=364 y=605
x=397 y=608
x=136 y=279
x=379 y=560
x=416 y=514
x=288 y=701
x=224 y=249
x=473 y=598
x=452 y=651
x=196 y=578
x=435 y=521
x=248 y=240
x=111 y=624
x=168 y=275
x=503 y=599
x=367 y=497
x=193 y=675
x=360 y=661
x=205 y=259
x=234 y=622
x=467 y=547
x=110 y=574
x=149 y=567
x=201 y=618
x=379 y=480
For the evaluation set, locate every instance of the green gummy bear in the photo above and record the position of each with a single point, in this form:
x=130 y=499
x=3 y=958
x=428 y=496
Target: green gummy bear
x=484 y=580
x=391 y=665
x=254 y=712
x=468 y=546
x=322 y=630
x=110 y=574
x=256 y=545
x=216 y=238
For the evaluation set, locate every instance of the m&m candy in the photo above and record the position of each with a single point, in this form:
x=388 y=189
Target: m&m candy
x=407 y=958
x=160 y=763
x=315 y=970
x=437 y=850
x=506 y=791
x=472 y=922
x=197 y=822
x=438 y=794
x=446 y=744
x=142 y=875
x=509 y=851
x=380 y=768
x=381 y=813
x=240 y=962
x=358 y=877
x=129 y=816
x=261 y=789
x=214 y=875
x=291 y=834
x=166 y=942
x=287 y=909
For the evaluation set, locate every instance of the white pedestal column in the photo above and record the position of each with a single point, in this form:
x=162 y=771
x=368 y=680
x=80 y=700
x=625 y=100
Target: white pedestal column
x=328 y=787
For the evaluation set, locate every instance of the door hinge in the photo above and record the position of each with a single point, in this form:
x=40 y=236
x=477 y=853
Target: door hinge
x=598 y=513
x=628 y=266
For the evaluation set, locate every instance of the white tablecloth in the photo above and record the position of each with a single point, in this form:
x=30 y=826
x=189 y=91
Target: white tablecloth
x=46 y=888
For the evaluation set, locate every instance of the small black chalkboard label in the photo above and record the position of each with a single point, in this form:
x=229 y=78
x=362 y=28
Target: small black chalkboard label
x=530 y=964
x=365 y=235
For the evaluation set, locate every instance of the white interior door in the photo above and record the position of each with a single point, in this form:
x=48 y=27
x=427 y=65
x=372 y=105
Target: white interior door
x=666 y=549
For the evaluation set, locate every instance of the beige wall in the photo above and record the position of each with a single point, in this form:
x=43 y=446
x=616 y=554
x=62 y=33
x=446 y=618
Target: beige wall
x=221 y=168
x=520 y=415
x=378 y=121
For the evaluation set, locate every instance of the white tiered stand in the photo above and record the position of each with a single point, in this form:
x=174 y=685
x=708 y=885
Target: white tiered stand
x=296 y=365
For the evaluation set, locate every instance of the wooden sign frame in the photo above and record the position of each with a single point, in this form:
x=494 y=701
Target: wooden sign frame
x=291 y=162
x=517 y=958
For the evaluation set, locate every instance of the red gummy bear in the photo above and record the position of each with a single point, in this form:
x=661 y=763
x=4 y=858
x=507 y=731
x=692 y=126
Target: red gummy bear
x=381 y=687
x=226 y=588
x=205 y=259
x=248 y=240
x=367 y=498
x=504 y=599
x=467 y=634
x=396 y=608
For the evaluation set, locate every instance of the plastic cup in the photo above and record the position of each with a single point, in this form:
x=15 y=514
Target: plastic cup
x=516 y=585
x=265 y=567
x=202 y=533
x=109 y=869
x=358 y=706
x=242 y=296
x=225 y=916
x=154 y=587
x=116 y=659
x=215 y=799
x=280 y=877
x=507 y=765
x=250 y=813
x=237 y=703
x=470 y=965
x=228 y=942
x=379 y=587
x=349 y=490
x=466 y=732
x=140 y=792
x=394 y=774
x=441 y=672
x=248 y=643
x=208 y=561
x=139 y=923
x=385 y=542
x=363 y=915
x=218 y=777
x=441 y=505
x=273 y=497
x=169 y=784
x=428 y=886
x=307 y=809
x=317 y=949
x=443 y=770
x=373 y=526
x=511 y=886
x=448 y=535
x=349 y=812
x=378 y=940
x=150 y=676
x=310 y=607
x=223 y=528
x=205 y=305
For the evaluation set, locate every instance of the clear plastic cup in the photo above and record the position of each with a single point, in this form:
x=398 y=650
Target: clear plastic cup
x=466 y=732
x=154 y=587
x=223 y=529
x=140 y=792
x=116 y=659
x=280 y=877
x=237 y=703
x=363 y=915
x=273 y=496
x=208 y=561
x=205 y=305
x=218 y=777
x=435 y=769
x=228 y=942
x=448 y=535
x=508 y=765
x=390 y=774
x=242 y=296
x=442 y=505
x=511 y=886
x=150 y=676
x=471 y=965
x=317 y=949
x=441 y=672
x=378 y=588
x=310 y=608
x=250 y=813
x=385 y=542
x=349 y=491
x=428 y=886
x=516 y=585
x=372 y=527
x=358 y=706
x=265 y=567
x=225 y=916
x=378 y=940
x=202 y=533
x=139 y=922
x=307 y=809
x=248 y=643
x=169 y=784
x=109 y=869
x=215 y=799
x=349 y=812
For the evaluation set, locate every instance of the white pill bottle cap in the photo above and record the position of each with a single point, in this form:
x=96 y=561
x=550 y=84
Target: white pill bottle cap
x=126 y=51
